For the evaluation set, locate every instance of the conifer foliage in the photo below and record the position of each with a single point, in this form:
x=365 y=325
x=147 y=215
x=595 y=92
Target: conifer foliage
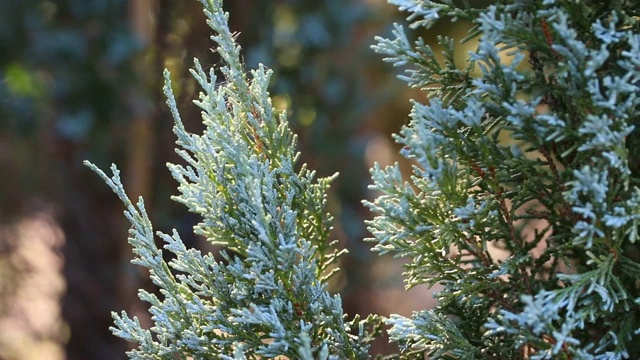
x=266 y=297
x=559 y=201
x=534 y=239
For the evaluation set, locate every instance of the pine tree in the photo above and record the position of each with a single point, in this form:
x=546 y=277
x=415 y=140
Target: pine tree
x=560 y=199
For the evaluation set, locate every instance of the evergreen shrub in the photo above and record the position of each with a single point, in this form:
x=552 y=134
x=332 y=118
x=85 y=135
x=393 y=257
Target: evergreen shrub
x=533 y=239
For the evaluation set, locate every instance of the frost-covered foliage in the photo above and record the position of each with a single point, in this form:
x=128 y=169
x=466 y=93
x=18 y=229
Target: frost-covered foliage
x=266 y=296
x=534 y=239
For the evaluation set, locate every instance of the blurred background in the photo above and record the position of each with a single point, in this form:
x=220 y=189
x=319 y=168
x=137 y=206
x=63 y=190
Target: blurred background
x=81 y=79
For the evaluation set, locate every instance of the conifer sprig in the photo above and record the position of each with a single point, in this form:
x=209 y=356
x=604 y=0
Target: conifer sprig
x=267 y=296
x=559 y=200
